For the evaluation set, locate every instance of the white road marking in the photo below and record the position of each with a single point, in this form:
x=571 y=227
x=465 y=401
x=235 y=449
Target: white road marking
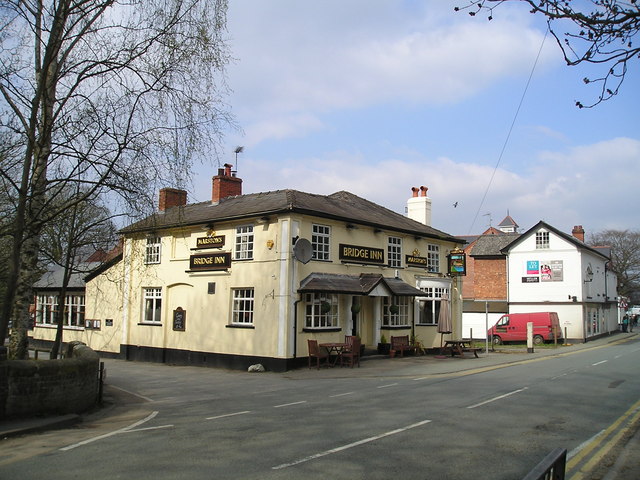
x=106 y=435
x=390 y=385
x=498 y=398
x=289 y=404
x=341 y=394
x=599 y=363
x=228 y=415
x=350 y=445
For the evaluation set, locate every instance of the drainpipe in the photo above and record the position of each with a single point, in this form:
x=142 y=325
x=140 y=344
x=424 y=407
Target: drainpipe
x=295 y=328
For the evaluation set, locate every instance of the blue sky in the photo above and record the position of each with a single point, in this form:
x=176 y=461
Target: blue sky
x=376 y=97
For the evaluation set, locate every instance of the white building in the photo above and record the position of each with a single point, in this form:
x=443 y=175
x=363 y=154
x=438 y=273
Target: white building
x=549 y=270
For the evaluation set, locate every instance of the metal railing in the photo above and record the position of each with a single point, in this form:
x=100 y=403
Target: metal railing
x=552 y=467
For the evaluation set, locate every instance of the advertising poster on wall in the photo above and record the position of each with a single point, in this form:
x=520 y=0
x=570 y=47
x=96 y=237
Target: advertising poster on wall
x=537 y=271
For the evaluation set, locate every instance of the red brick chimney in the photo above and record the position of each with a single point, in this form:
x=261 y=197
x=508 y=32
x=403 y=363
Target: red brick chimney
x=225 y=184
x=172 y=197
x=578 y=232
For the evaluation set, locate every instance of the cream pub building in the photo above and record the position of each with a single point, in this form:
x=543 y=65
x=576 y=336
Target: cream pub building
x=245 y=279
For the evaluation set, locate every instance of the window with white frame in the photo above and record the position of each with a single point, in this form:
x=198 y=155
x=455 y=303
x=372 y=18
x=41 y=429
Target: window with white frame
x=242 y=310
x=320 y=241
x=74 y=311
x=152 y=305
x=542 y=239
x=429 y=305
x=321 y=310
x=152 y=253
x=244 y=242
x=395 y=311
x=433 y=258
x=394 y=252
x=46 y=309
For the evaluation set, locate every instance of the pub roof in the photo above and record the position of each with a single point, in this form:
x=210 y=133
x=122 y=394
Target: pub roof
x=342 y=206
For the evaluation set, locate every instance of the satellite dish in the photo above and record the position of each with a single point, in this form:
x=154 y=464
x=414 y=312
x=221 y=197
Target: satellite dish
x=302 y=250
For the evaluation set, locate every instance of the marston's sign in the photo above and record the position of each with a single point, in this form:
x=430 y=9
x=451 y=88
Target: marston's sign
x=415 y=261
x=359 y=254
x=216 y=241
x=210 y=261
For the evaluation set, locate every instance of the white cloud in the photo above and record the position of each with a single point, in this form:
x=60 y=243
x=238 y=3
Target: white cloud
x=357 y=54
x=590 y=183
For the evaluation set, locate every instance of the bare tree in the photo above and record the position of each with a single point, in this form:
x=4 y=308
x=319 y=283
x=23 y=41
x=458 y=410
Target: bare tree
x=595 y=31
x=119 y=96
x=625 y=258
x=67 y=241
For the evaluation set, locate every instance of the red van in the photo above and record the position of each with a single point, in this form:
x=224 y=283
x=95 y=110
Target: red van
x=513 y=327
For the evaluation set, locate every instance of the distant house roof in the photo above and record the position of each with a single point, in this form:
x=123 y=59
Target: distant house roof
x=52 y=279
x=363 y=284
x=341 y=205
x=569 y=238
x=508 y=222
x=492 y=245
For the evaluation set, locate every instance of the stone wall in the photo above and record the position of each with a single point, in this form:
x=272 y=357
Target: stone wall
x=50 y=387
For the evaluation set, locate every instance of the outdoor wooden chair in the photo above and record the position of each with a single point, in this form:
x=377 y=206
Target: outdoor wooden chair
x=316 y=352
x=352 y=353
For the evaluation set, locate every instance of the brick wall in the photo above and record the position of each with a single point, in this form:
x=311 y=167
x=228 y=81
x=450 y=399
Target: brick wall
x=50 y=387
x=490 y=278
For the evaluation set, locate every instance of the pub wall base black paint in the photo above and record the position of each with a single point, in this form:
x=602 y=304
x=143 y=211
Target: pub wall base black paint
x=203 y=359
x=188 y=357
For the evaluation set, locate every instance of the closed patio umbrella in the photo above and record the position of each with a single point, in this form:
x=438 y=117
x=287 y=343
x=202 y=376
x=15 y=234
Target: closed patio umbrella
x=444 y=318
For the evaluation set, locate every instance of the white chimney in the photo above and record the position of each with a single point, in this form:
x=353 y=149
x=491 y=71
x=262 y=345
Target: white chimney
x=419 y=206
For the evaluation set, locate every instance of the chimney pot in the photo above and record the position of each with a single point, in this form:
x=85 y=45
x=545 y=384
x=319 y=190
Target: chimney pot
x=578 y=232
x=423 y=191
x=225 y=185
x=415 y=191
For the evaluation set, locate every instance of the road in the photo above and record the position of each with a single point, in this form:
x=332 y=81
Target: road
x=406 y=418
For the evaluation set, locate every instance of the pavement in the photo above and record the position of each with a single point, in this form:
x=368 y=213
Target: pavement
x=622 y=464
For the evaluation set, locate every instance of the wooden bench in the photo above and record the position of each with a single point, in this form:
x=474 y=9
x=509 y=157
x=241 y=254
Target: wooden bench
x=400 y=344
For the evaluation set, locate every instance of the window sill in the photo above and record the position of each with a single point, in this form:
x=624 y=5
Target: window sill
x=239 y=325
x=151 y=324
x=395 y=327
x=426 y=324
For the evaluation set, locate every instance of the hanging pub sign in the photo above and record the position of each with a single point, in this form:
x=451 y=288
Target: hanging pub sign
x=210 y=261
x=214 y=241
x=359 y=254
x=179 y=319
x=457 y=262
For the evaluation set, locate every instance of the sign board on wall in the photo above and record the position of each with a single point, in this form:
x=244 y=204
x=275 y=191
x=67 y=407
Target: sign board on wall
x=549 y=271
x=210 y=261
x=360 y=254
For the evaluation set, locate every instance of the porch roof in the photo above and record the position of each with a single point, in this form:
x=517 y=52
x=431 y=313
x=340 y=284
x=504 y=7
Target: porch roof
x=363 y=284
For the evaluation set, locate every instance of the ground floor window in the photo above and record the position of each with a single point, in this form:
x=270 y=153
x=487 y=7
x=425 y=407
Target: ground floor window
x=74 y=311
x=429 y=305
x=242 y=311
x=46 y=308
x=321 y=310
x=594 y=322
x=152 y=305
x=395 y=311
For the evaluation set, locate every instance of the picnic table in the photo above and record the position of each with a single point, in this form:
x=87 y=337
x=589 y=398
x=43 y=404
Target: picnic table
x=334 y=349
x=458 y=347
